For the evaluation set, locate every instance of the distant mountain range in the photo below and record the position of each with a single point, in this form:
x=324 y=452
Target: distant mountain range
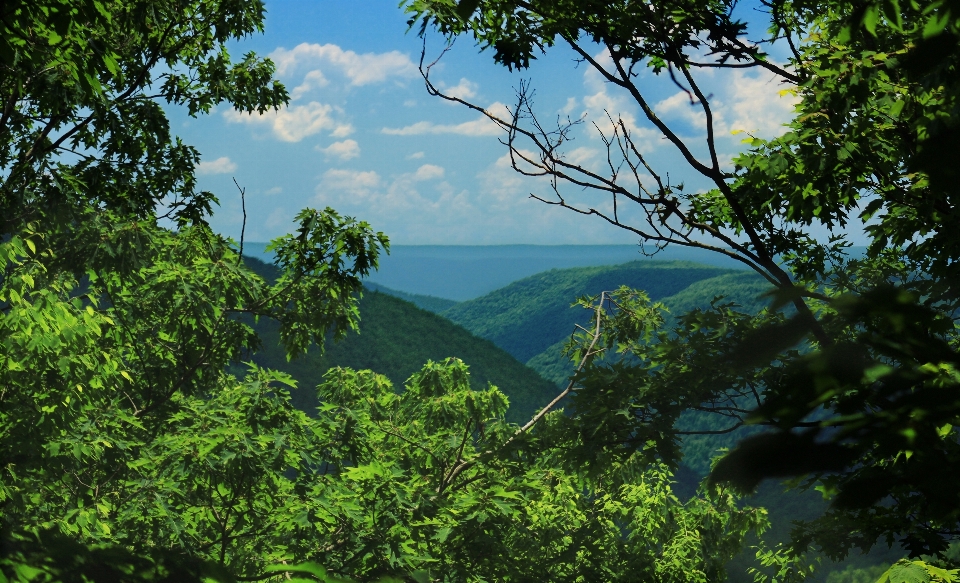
x=464 y=272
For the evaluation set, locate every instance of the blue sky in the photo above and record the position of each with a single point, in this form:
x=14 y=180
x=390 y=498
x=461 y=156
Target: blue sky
x=362 y=135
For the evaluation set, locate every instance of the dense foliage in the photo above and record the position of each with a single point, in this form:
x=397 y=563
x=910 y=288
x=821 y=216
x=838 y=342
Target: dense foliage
x=859 y=386
x=129 y=450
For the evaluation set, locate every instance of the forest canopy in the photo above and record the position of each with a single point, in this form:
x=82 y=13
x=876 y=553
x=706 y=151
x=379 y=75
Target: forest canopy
x=130 y=452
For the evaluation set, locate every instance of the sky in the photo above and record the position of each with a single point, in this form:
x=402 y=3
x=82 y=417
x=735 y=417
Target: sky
x=362 y=135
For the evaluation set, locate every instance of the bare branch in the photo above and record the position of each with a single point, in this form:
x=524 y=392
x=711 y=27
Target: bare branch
x=243 y=229
x=587 y=356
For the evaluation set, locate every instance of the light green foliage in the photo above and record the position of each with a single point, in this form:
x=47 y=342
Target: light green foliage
x=128 y=449
x=110 y=404
x=905 y=571
x=857 y=575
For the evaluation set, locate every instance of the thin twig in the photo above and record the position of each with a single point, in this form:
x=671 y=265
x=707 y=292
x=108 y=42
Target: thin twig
x=243 y=229
x=598 y=311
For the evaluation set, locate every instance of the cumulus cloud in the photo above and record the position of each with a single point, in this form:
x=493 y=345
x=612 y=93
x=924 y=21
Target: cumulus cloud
x=345 y=150
x=466 y=89
x=342 y=131
x=415 y=156
x=222 y=165
x=481 y=126
x=418 y=203
x=581 y=156
x=421 y=207
x=603 y=108
x=273 y=191
x=360 y=69
x=749 y=101
x=757 y=105
x=428 y=172
x=678 y=106
x=354 y=184
x=312 y=80
x=292 y=124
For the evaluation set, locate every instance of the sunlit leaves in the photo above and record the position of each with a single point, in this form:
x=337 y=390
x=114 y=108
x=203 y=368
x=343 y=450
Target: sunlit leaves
x=324 y=263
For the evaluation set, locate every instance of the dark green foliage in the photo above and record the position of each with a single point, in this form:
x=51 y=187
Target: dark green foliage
x=52 y=557
x=527 y=317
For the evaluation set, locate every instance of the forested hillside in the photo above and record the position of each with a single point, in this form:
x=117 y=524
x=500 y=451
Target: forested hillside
x=427 y=302
x=395 y=339
x=530 y=315
x=533 y=318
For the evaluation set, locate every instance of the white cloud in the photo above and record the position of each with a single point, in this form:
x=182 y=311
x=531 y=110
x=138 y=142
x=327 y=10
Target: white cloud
x=600 y=106
x=292 y=124
x=482 y=126
x=410 y=103
x=678 y=106
x=273 y=191
x=748 y=101
x=345 y=150
x=352 y=184
x=502 y=186
x=581 y=156
x=415 y=202
x=342 y=131
x=221 y=165
x=421 y=207
x=361 y=69
x=415 y=156
x=756 y=104
x=568 y=108
x=428 y=172
x=311 y=81
x=466 y=89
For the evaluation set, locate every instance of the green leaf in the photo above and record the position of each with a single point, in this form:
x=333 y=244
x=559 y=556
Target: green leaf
x=936 y=23
x=466 y=8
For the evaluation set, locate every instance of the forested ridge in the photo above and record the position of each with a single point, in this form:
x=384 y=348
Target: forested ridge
x=138 y=442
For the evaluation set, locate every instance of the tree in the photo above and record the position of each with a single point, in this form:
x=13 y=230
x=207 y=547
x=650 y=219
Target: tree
x=129 y=453
x=108 y=319
x=859 y=384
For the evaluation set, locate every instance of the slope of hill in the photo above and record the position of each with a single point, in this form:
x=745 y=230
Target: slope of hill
x=532 y=314
x=428 y=303
x=396 y=339
x=742 y=287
